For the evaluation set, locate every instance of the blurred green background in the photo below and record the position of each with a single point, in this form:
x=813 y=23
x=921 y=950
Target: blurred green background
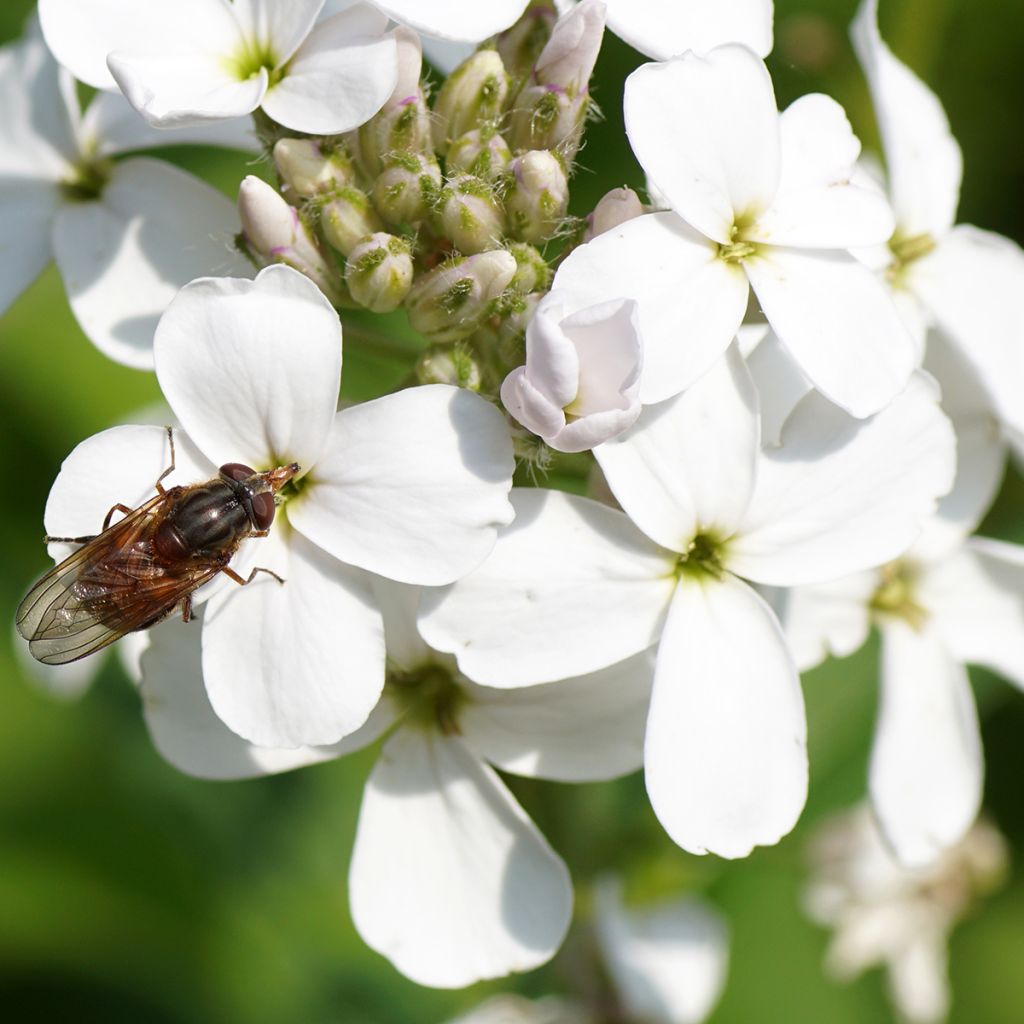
x=131 y=893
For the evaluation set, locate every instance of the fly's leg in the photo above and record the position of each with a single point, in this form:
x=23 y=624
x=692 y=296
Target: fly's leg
x=238 y=579
x=170 y=469
x=116 y=508
x=186 y=608
x=70 y=540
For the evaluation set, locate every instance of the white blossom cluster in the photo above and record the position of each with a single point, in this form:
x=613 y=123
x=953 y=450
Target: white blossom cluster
x=797 y=376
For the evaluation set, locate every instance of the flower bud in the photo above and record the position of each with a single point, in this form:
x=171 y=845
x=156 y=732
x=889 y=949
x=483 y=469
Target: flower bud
x=406 y=191
x=538 y=197
x=545 y=117
x=532 y=271
x=521 y=45
x=613 y=208
x=347 y=219
x=472 y=95
x=568 y=59
x=275 y=233
x=470 y=216
x=306 y=170
x=403 y=123
x=450 y=364
x=450 y=301
x=481 y=152
x=581 y=382
x=379 y=272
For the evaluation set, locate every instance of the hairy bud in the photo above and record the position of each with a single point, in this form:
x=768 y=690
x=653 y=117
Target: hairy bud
x=347 y=219
x=450 y=364
x=521 y=45
x=379 y=272
x=481 y=152
x=406 y=191
x=473 y=95
x=306 y=169
x=532 y=271
x=470 y=216
x=613 y=208
x=538 y=197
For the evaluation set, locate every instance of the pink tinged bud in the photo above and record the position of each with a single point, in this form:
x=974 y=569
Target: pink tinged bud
x=521 y=45
x=306 y=170
x=613 y=208
x=481 y=152
x=470 y=215
x=538 y=197
x=452 y=300
x=581 y=382
x=406 y=191
x=379 y=272
x=472 y=96
x=347 y=219
x=410 y=66
x=276 y=233
x=568 y=59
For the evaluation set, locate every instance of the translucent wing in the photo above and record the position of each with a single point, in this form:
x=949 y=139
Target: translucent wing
x=110 y=586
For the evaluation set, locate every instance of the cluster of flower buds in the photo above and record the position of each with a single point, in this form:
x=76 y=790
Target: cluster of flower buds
x=444 y=210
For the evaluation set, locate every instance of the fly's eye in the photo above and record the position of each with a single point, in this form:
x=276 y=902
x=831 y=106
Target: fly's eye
x=236 y=471
x=263 y=510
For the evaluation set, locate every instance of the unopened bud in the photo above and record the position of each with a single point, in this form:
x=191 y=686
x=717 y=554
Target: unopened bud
x=275 y=233
x=347 y=219
x=538 y=197
x=481 y=152
x=504 y=330
x=450 y=364
x=613 y=208
x=407 y=189
x=307 y=170
x=568 y=59
x=532 y=271
x=473 y=95
x=379 y=272
x=521 y=45
x=546 y=117
x=470 y=216
x=452 y=300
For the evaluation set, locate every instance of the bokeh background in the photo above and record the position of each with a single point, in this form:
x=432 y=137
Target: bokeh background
x=129 y=892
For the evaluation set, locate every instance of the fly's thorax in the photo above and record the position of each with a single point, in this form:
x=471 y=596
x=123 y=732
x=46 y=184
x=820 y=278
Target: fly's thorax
x=209 y=521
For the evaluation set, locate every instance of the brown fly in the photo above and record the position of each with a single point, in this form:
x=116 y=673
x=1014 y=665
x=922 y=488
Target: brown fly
x=140 y=569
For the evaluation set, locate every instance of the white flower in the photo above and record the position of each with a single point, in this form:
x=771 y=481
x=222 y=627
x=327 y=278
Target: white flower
x=886 y=914
x=449 y=878
x=459 y=20
x=581 y=380
x=573 y=586
x=965 y=280
x=251 y=371
x=187 y=61
x=760 y=200
x=126 y=235
x=948 y=600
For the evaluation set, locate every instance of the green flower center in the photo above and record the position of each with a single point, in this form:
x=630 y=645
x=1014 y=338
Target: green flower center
x=88 y=180
x=704 y=557
x=736 y=250
x=251 y=59
x=895 y=596
x=430 y=695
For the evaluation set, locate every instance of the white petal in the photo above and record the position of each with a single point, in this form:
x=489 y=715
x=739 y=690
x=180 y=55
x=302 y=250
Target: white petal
x=661 y=30
x=112 y=125
x=972 y=284
x=571 y=587
x=252 y=368
x=817 y=204
x=690 y=302
x=838 y=322
x=281 y=27
x=976 y=597
x=338 y=79
x=187 y=88
x=463 y=20
x=190 y=736
x=124 y=258
x=780 y=385
x=707 y=131
x=828 y=618
x=725 y=757
x=590 y=727
x=81 y=33
x=669 y=962
x=449 y=878
x=38 y=116
x=299 y=663
x=399 y=605
x=27 y=213
x=687 y=465
x=926 y=763
x=919 y=979
x=923 y=158
x=841 y=495
x=412 y=486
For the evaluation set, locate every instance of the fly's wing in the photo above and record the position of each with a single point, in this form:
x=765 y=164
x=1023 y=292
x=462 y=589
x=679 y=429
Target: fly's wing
x=63 y=620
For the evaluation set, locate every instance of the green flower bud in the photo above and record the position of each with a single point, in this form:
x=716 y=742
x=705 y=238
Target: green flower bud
x=473 y=95
x=532 y=271
x=347 y=219
x=481 y=152
x=538 y=197
x=452 y=300
x=407 y=189
x=379 y=272
x=521 y=45
x=450 y=364
x=546 y=117
x=470 y=215
x=306 y=169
